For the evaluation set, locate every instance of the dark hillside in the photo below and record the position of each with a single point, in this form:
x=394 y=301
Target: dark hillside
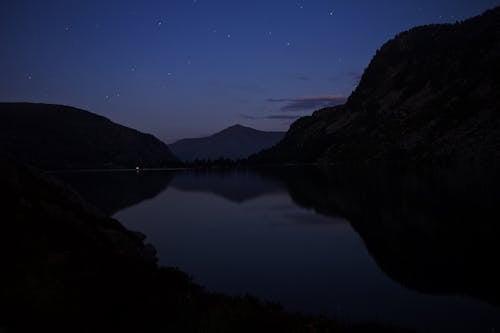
x=62 y=137
x=431 y=93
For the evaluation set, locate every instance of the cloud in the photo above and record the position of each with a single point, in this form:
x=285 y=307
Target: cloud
x=272 y=117
x=308 y=103
x=281 y=116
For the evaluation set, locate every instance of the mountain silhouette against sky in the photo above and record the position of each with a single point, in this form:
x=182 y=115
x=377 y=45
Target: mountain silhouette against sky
x=233 y=142
x=62 y=137
x=431 y=93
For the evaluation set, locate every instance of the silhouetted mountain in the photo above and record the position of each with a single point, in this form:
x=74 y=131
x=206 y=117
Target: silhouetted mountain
x=431 y=93
x=233 y=142
x=61 y=137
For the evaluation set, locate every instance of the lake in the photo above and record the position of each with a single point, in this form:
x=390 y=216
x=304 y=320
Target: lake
x=402 y=248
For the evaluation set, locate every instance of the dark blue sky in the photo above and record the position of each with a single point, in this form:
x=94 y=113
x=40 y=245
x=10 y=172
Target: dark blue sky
x=189 y=68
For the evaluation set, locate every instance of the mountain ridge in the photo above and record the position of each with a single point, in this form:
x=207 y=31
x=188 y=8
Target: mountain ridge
x=52 y=136
x=233 y=142
x=430 y=94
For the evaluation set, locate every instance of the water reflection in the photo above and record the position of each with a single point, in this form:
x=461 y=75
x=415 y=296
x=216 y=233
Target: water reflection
x=410 y=248
x=112 y=191
x=236 y=186
x=435 y=231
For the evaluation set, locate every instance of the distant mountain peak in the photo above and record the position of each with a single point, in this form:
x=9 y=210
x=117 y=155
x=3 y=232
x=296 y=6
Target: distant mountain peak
x=238 y=128
x=235 y=127
x=234 y=142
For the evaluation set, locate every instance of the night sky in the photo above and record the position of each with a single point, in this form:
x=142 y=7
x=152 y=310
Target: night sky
x=189 y=68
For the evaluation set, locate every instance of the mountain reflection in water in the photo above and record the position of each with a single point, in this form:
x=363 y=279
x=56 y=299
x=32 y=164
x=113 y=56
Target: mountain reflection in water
x=415 y=249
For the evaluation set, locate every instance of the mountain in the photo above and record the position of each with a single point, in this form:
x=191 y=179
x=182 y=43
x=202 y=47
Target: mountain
x=431 y=93
x=62 y=137
x=233 y=142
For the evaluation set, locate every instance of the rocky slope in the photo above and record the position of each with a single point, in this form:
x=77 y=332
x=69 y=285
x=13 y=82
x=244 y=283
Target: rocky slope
x=431 y=93
x=233 y=143
x=62 y=137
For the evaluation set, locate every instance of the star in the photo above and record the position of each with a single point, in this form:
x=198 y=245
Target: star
x=288 y=44
x=331 y=13
x=29 y=77
x=228 y=36
x=132 y=69
x=66 y=28
x=159 y=23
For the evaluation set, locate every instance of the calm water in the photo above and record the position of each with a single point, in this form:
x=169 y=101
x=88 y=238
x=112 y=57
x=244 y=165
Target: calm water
x=301 y=238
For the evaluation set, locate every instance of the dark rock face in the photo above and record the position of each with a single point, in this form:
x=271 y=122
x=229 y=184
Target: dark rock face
x=431 y=93
x=233 y=143
x=62 y=137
